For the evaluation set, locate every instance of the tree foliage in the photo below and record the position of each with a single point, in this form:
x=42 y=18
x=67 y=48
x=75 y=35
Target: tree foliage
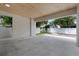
x=39 y=24
x=43 y=25
x=65 y=21
x=7 y=21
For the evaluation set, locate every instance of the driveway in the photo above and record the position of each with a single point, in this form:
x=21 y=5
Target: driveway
x=39 y=46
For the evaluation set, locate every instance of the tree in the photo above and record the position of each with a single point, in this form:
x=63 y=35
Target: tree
x=43 y=26
x=64 y=21
x=46 y=27
x=7 y=21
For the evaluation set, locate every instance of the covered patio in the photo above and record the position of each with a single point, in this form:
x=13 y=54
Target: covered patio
x=23 y=40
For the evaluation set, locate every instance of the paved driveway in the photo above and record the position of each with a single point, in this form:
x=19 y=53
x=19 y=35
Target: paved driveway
x=39 y=46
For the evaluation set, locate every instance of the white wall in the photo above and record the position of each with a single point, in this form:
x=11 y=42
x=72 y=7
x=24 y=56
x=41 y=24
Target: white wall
x=5 y=32
x=60 y=30
x=21 y=25
x=37 y=30
x=63 y=30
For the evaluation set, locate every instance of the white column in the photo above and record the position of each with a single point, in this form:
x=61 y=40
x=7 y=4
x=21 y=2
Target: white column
x=78 y=25
x=32 y=27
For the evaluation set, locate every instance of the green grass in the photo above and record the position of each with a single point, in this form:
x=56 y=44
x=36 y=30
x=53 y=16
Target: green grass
x=42 y=33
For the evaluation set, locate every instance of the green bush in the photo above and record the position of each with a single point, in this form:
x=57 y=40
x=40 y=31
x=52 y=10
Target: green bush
x=7 y=21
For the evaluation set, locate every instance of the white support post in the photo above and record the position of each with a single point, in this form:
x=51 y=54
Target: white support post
x=78 y=25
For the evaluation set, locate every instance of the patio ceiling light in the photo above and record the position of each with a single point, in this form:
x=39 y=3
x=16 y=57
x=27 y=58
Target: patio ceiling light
x=7 y=5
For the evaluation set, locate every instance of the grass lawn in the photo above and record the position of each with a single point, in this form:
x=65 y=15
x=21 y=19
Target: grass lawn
x=42 y=33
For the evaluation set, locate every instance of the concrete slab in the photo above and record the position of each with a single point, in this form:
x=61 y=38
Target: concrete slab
x=39 y=46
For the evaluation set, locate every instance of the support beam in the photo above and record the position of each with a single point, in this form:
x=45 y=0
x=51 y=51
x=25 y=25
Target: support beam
x=78 y=25
x=57 y=14
x=30 y=27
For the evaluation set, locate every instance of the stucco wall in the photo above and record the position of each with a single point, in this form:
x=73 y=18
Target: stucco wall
x=60 y=30
x=5 y=32
x=37 y=30
x=63 y=30
x=21 y=25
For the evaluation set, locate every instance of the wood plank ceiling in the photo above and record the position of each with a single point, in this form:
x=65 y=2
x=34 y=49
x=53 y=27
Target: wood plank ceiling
x=36 y=9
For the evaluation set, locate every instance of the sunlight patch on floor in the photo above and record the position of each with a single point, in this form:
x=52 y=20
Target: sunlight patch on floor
x=65 y=37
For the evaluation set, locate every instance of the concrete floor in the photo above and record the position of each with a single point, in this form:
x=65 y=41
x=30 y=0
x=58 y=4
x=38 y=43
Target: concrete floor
x=39 y=46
